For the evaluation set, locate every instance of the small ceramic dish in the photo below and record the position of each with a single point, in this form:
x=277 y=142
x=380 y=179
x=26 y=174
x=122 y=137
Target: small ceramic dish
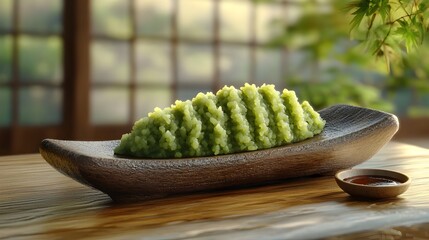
x=372 y=183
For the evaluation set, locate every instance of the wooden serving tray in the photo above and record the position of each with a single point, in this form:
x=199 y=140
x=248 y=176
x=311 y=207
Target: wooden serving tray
x=351 y=136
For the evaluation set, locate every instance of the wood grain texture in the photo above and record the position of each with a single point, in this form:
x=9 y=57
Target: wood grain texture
x=37 y=202
x=351 y=136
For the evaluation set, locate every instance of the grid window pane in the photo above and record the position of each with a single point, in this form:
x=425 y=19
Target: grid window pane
x=40 y=59
x=110 y=62
x=153 y=62
x=40 y=106
x=149 y=98
x=5 y=58
x=268 y=66
x=6 y=15
x=5 y=107
x=235 y=20
x=196 y=19
x=266 y=17
x=195 y=64
x=154 y=17
x=189 y=93
x=111 y=18
x=234 y=65
x=41 y=15
x=109 y=105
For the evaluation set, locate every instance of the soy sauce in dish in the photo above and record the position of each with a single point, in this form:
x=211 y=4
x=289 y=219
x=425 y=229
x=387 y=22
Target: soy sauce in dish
x=373 y=180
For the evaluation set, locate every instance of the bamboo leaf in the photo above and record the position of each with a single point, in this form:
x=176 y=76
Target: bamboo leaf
x=423 y=6
x=360 y=9
x=384 y=10
x=409 y=35
x=373 y=7
x=406 y=2
x=422 y=29
x=403 y=23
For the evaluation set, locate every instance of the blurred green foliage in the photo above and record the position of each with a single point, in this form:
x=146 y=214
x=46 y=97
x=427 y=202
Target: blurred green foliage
x=341 y=91
x=333 y=65
x=390 y=25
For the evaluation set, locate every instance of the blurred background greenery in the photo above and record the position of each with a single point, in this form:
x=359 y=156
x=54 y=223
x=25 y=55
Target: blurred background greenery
x=342 y=68
x=172 y=49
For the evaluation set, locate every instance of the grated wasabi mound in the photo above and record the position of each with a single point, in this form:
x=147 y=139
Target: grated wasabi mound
x=233 y=120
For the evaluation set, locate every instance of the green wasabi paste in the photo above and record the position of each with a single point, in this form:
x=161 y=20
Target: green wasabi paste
x=230 y=121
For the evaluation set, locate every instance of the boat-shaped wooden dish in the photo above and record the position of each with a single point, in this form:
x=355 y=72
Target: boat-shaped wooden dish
x=351 y=136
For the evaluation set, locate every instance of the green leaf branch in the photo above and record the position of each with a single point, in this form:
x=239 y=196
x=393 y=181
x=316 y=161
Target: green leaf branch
x=393 y=27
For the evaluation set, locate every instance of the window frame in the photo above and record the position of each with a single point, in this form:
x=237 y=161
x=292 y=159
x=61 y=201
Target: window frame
x=17 y=138
x=76 y=86
x=174 y=39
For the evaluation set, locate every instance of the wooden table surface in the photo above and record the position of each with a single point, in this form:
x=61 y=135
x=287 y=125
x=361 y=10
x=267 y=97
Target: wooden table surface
x=37 y=202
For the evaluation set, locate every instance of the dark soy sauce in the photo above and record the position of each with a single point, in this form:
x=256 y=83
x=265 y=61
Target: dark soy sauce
x=372 y=180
